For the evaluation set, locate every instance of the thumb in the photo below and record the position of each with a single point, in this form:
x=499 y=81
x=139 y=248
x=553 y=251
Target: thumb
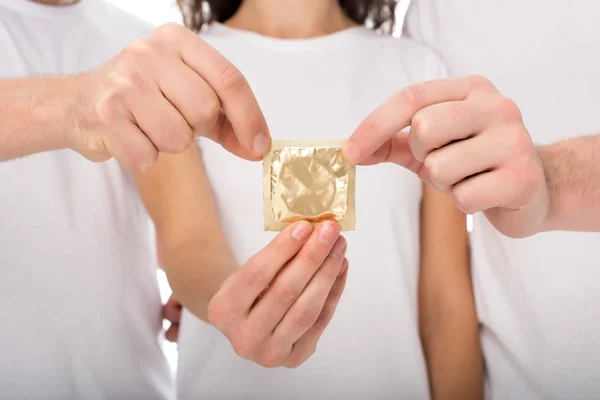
x=224 y=134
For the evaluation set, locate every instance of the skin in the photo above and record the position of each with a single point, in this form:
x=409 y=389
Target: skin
x=272 y=315
x=154 y=97
x=468 y=141
x=447 y=321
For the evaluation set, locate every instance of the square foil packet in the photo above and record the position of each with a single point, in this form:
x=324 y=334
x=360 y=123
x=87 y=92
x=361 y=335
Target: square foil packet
x=308 y=180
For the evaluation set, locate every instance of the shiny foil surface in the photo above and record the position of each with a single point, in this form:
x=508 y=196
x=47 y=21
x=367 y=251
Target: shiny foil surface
x=308 y=182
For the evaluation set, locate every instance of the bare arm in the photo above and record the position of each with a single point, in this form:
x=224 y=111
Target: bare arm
x=155 y=96
x=448 y=322
x=572 y=169
x=194 y=249
x=36 y=113
x=275 y=327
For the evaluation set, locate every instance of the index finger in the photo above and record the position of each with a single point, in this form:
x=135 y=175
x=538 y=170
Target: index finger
x=397 y=113
x=232 y=89
x=258 y=272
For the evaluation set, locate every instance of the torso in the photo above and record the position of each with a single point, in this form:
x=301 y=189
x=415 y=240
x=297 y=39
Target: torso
x=80 y=304
x=322 y=89
x=538 y=298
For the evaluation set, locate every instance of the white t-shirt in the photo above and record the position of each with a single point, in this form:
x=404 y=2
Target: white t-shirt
x=322 y=88
x=79 y=301
x=539 y=298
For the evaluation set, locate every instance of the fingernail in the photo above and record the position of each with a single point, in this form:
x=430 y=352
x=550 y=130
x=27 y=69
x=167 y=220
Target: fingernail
x=338 y=248
x=352 y=152
x=261 y=144
x=328 y=232
x=301 y=230
x=344 y=267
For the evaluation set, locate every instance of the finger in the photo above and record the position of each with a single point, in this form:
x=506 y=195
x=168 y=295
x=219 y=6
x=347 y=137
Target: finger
x=440 y=124
x=502 y=187
x=223 y=134
x=305 y=311
x=251 y=280
x=306 y=345
x=397 y=113
x=397 y=151
x=449 y=165
x=233 y=90
x=172 y=311
x=290 y=283
x=191 y=96
x=161 y=122
x=131 y=147
x=172 y=334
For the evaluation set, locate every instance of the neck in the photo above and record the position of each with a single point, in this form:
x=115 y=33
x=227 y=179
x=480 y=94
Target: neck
x=291 y=19
x=56 y=2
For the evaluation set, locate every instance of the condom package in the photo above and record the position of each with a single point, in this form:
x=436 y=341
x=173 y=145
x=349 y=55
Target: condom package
x=308 y=180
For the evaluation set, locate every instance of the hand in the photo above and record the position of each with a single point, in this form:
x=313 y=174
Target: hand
x=157 y=95
x=172 y=313
x=275 y=308
x=468 y=141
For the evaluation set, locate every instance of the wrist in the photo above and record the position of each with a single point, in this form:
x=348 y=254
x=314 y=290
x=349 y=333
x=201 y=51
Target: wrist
x=71 y=130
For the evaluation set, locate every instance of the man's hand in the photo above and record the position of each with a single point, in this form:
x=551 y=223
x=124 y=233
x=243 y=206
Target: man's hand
x=467 y=140
x=157 y=95
x=275 y=308
x=172 y=314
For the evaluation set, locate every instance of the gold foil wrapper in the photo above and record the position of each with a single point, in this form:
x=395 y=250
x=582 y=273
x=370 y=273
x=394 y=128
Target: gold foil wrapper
x=308 y=180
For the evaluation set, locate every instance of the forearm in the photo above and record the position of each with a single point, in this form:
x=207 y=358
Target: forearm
x=196 y=273
x=572 y=170
x=36 y=114
x=447 y=319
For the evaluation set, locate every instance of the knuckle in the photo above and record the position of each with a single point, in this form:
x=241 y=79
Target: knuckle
x=287 y=295
x=247 y=343
x=464 y=201
x=306 y=317
x=315 y=256
x=252 y=274
x=421 y=129
x=529 y=177
x=181 y=141
x=144 y=158
x=111 y=104
x=217 y=311
x=412 y=96
x=273 y=360
x=208 y=114
x=372 y=129
x=170 y=30
x=232 y=78
x=419 y=122
x=138 y=52
x=480 y=82
x=432 y=168
x=518 y=143
x=506 y=109
x=322 y=321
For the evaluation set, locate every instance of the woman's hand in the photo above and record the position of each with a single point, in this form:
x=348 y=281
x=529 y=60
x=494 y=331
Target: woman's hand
x=275 y=308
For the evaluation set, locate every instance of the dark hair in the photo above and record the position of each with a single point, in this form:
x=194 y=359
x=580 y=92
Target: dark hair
x=377 y=14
